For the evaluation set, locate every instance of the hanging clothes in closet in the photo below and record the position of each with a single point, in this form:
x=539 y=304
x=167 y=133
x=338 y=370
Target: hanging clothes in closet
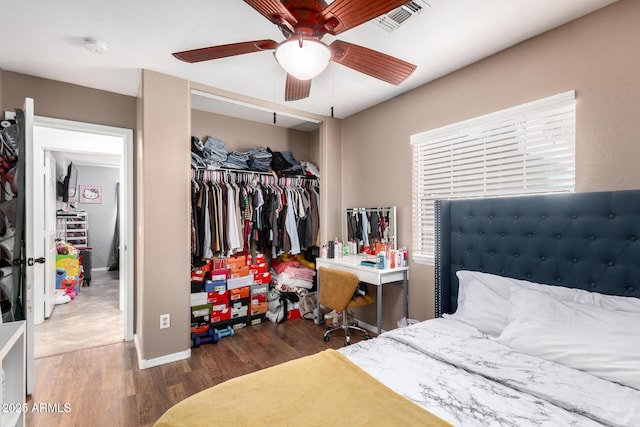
x=231 y=211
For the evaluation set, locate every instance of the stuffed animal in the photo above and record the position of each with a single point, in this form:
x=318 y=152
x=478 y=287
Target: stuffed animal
x=69 y=285
x=66 y=283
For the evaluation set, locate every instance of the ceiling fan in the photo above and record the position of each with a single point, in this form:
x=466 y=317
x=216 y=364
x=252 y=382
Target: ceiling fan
x=302 y=54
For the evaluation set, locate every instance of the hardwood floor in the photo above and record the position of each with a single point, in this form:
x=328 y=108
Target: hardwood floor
x=92 y=319
x=103 y=386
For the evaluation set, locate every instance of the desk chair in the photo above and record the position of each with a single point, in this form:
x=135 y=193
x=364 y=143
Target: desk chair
x=337 y=290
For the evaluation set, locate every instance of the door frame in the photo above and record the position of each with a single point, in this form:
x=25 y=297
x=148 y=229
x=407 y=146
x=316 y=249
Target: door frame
x=124 y=147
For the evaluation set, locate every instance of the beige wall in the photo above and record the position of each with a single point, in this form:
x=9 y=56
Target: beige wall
x=331 y=182
x=596 y=55
x=242 y=135
x=163 y=224
x=67 y=101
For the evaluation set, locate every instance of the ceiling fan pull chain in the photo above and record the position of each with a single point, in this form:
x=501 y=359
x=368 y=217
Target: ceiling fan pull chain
x=332 y=111
x=274 y=117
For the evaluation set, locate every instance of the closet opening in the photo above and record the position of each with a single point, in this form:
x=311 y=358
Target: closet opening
x=255 y=210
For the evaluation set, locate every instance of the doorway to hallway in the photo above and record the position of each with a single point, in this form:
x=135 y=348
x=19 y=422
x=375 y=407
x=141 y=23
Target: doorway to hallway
x=78 y=139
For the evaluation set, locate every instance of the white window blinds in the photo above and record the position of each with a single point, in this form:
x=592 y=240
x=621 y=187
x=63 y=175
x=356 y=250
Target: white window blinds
x=521 y=150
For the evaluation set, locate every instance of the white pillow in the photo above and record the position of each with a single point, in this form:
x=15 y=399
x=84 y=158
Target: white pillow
x=610 y=302
x=605 y=343
x=482 y=306
x=483 y=299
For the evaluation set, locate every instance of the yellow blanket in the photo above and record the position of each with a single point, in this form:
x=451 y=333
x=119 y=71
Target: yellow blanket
x=325 y=389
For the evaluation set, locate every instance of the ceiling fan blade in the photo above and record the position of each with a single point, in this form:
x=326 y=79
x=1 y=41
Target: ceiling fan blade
x=342 y=15
x=275 y=12
x=296 y=89
x=376 y=64
x=222 y=51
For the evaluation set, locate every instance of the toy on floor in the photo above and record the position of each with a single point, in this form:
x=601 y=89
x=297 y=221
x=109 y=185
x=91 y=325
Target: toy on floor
x=203 y=335
x=66 y=283
x=69 y=284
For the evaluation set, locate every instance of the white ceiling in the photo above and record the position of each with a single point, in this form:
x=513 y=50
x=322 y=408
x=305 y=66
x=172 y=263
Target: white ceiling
x=44 y=39
x=85 y=159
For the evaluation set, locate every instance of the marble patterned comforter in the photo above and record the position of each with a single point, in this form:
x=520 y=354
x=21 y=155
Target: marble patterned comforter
x=468 y=379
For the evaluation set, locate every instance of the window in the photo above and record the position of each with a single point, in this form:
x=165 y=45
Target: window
x=521 y=150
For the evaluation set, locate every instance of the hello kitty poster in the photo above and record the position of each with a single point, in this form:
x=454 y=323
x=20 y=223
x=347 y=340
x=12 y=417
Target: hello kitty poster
x=91 y=194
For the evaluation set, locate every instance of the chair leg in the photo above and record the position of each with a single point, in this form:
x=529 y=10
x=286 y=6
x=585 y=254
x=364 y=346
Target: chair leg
x=358 y=328
x=329 y=330
x=346 y=326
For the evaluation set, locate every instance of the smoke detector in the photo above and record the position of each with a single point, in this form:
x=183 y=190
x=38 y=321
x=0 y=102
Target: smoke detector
x=398 y=16
x=95 y=45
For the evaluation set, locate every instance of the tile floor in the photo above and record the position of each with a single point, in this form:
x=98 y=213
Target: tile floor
x=92 y=319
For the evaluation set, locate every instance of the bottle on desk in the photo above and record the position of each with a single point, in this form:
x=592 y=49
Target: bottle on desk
x=324 y=251
x=337 y=248
x=382 y=260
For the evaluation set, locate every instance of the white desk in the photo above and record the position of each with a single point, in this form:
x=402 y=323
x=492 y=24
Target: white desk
x=369 y=275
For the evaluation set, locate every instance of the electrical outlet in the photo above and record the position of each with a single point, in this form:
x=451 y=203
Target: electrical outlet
x=165 y=321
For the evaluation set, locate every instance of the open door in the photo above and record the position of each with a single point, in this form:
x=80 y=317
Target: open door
x=16 y=226
x=29 y=246
x=50 y=234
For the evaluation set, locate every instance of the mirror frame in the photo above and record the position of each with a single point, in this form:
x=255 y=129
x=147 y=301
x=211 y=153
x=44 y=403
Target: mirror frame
x=392 y=239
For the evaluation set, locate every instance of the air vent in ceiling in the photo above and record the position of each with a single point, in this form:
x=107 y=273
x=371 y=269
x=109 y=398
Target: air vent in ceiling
x=398 y=16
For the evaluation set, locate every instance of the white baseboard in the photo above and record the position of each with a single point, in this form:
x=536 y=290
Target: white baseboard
x=150 y=363
x=370 y=328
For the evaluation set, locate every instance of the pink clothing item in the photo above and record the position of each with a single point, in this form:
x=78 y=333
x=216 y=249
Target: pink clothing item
x=303 y=273
x=280 y=267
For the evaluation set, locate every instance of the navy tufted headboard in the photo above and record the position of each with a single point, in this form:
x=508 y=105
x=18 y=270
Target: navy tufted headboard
x=580 y=240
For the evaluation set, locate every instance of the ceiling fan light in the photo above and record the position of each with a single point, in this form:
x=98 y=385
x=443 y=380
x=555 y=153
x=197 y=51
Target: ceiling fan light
x=303 y=62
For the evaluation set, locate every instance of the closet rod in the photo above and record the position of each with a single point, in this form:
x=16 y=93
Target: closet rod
x=271 y=173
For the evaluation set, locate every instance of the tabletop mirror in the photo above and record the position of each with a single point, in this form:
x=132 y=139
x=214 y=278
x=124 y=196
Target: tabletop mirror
x=367 y=226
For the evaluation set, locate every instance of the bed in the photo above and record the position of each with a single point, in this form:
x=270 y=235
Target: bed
x=538 y=323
